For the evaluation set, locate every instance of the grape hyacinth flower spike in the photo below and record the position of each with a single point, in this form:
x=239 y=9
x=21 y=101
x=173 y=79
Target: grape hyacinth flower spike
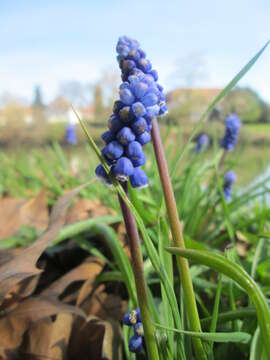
x=136 y=342
x=71 y=135
x=140 y=98
x=232 y=126
x=229 y=180
x=202 y=142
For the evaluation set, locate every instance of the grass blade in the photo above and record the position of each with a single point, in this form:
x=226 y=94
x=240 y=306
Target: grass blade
x=238 y=337
x=239 y=275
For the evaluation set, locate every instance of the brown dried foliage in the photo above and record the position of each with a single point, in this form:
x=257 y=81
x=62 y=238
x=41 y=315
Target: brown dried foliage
x=71 y=318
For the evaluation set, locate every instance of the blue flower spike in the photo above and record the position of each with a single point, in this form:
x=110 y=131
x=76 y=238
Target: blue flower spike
x=232 y=127
x=140 y=99
x=135 y=344
x=229 y=180
x=202 y=143
x=71 y=135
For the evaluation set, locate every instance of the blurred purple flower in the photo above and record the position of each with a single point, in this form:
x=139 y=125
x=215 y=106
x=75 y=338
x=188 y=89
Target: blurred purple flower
x=71 y=135
x=202 y=142
x=232 y=126
x=229 y=180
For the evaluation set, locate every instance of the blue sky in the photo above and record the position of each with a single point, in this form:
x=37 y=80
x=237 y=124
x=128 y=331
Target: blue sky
x=49 y=42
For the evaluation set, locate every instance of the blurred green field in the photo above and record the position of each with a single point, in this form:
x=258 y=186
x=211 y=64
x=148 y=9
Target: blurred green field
x=28 y=168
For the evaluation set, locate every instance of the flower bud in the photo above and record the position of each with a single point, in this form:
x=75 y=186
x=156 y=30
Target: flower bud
x=125 y=136
x=122 y=169
x=138 y=329
x=135 y=344
x=126 y=96
x=135 y=153
x=139 y=126
x=107 y=136
x=144 y=138
x=138 y=179
x=102 y=175
x=138 y=109
x=113 y=150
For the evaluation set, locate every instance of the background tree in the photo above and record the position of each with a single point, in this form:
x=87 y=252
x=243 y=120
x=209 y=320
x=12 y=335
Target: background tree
x=98 y=102
x=246 y=103
x=13 y=124
x=78 y=93
x=37 y=102
x=38 y=107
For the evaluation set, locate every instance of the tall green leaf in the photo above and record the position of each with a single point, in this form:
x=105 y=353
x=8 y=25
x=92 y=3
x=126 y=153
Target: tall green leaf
x=239 y=337
x=239 y=275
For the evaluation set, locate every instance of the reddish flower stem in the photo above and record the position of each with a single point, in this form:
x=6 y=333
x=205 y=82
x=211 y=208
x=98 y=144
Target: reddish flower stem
x=137 y=266
x=176 y=229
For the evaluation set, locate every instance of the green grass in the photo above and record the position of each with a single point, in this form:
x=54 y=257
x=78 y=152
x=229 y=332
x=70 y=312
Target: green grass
x=197 y=198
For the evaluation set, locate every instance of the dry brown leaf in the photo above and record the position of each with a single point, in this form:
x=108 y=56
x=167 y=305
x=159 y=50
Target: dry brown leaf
x=84 y=292
x=10 y=216
x=96 y=340
x=86 y=341
x=20 y=291
x=17 y=321
x=17 y=212
x=86 y=208
x=60 y=336
x=35 y=211
x=25 y=288
x=89 y=269
x=37 y=340
x=11 y=330
x=7 y=254
x=105 y=306
x=112 y=340
x=23 y=265
x=36 y=308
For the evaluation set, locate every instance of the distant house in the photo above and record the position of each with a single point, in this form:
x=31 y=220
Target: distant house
x=57 y=110
x=28 y=115
x=17 y=113
x=189 y=103
x=60 y=110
